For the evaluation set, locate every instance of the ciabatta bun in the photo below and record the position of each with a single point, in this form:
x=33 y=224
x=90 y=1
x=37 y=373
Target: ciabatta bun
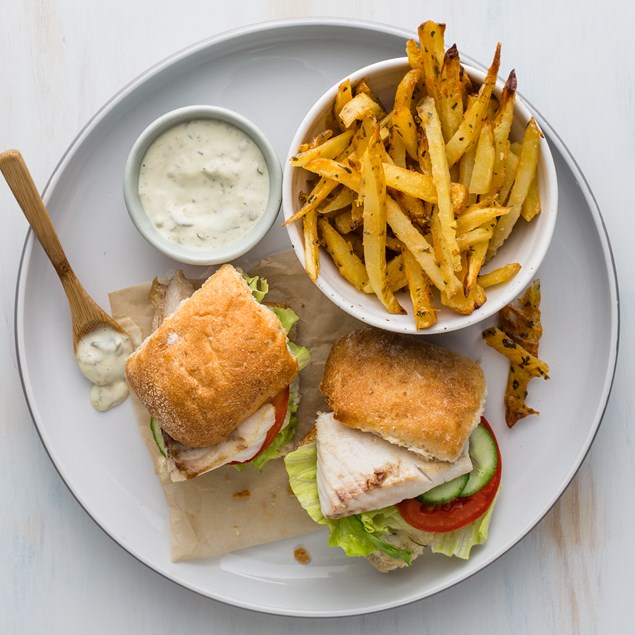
x=406 y=390
x=212 y=363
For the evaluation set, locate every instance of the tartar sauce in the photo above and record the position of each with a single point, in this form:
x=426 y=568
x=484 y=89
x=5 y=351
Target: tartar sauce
x=204 y=183
x=101 y=356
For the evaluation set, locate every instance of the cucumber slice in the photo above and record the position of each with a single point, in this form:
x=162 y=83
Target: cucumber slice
x=158 y=436
x=445 y=492
x=484 y=460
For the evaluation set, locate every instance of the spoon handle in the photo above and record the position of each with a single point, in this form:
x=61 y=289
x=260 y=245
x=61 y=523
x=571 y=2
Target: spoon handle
x=84 y=312
x=18 y=177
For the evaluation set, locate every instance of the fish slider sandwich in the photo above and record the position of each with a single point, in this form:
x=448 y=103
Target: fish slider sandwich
x=218 y=377
x=404 y=460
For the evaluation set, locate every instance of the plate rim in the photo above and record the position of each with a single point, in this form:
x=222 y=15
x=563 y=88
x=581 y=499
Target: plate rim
x=290 y=25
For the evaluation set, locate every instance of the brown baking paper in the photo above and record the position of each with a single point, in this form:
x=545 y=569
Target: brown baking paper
x=226 y=509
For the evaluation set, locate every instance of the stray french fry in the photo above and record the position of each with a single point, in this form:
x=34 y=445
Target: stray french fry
x=501 y=342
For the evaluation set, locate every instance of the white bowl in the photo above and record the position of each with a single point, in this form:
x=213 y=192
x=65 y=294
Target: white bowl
x=527 y=244
x=181 y=253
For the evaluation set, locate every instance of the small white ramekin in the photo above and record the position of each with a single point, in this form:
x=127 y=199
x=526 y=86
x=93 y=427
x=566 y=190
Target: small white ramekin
x=198 y=256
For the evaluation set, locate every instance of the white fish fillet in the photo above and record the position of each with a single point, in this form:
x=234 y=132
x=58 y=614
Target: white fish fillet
x=241 y=445
x=359 y=471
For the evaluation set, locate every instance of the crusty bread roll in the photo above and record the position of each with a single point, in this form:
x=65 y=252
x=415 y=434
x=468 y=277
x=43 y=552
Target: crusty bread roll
x=406 y=390
x=212 y=363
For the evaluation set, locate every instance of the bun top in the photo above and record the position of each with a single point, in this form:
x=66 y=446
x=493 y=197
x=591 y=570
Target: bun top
x=406 y=390
x=212 y=363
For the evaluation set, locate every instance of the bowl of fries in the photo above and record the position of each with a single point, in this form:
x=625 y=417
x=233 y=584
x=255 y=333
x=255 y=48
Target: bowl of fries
x=420 y=195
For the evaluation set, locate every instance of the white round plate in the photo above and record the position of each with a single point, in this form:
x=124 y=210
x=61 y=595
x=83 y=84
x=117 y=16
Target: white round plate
x=272 y=74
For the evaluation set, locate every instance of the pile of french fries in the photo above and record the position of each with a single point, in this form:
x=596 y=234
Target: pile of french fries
x=517 y=339
x=420 y=196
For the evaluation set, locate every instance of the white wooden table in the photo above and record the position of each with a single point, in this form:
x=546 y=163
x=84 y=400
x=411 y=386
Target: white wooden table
x=61 y=60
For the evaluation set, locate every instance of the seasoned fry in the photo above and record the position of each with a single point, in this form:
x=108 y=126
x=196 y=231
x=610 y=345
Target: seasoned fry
x=311 y=245
x=343 y=96
x=317 y=196
x=449 y=256
x=502 y=125
x=360 y=107
x=467 y=133
x=500 y=275
x=342 y=199
x=481 y=178
x=334 y=171
x=501 y=342
x=521 y=320
x=531 y=204
x=432 y=53
x=344 y=257
x=425 y=314
x=329 y=149
x=373 y=195
x=525 y=174
x=476 y=217
x=451 y=91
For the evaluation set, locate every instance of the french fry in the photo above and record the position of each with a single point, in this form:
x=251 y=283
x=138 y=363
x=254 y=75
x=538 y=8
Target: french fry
x=311 y=244
x=414 y=54
x=467 y=133
x=451 y=91
x=336 y=171
x=395 y=275
x=481 y=178
x=318 y=194
x=373 y=194
x=318 y=140
x=342 y=199
x=476 y=217
x=501 y=342
x=343 y=96
x=500 y=275
x=502 y=125
x=450 y=259
x=329 y=149
x=471 y=238
x=360 y=107
x=344 y=222
x=531 y=204
x=525 y=174
x=431 y=47
x=421 y=186
x=510 y=168
x=402 y=119
x=425 y=315
x=348 y=263
x=475 y=260
x=414 y=207
x=420 y=248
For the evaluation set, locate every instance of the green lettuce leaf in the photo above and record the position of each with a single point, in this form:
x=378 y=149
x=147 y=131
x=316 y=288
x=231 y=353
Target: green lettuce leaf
x=259 y=286
x=287 y=317
x=301 y=353
x=357 y=535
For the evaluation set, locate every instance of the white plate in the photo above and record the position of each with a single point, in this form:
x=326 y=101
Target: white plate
x=272 y=74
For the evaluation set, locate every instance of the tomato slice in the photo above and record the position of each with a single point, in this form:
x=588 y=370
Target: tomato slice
x=281 y=403
x=456 y=513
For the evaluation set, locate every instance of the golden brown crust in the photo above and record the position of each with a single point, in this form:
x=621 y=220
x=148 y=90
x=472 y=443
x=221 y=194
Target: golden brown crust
x=406 y=390
x=212 y=363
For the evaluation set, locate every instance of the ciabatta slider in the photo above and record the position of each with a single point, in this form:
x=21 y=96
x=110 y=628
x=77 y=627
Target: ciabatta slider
x=215 y=375
x=404 y=414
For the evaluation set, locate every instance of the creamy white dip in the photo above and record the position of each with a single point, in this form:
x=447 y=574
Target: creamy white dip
x=204 y=184
x=101 y=356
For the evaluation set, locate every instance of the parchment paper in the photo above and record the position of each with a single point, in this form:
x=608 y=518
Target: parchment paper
x=226 y=509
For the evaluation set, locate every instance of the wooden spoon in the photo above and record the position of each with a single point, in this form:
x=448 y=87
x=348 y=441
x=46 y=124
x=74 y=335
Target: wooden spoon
x=86 y=315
